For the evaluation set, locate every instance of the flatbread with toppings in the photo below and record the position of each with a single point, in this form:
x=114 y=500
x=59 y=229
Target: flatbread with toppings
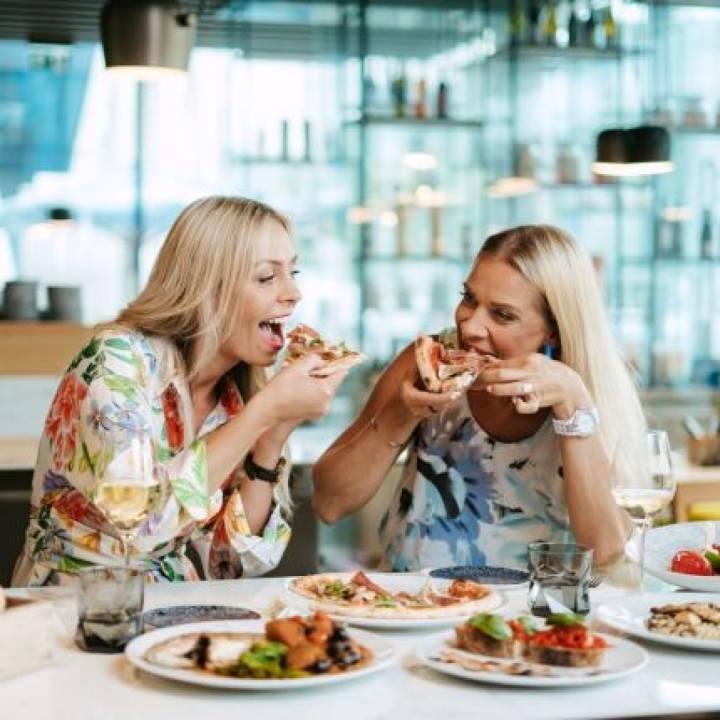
x=358 y=596
x=305 y=340
x=444 y=368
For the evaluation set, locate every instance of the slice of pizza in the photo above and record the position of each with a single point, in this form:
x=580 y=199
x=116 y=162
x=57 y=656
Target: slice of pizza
x=304 y=340
x=444 y=368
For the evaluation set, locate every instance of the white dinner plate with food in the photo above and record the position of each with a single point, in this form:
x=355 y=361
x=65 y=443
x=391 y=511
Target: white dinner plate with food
x=632 y=614
x=392 y=601
x=663 y=543
x=622 y=658
x=171 y=653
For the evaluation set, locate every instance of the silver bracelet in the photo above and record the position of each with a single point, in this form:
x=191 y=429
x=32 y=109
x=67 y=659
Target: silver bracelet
x=392 y=443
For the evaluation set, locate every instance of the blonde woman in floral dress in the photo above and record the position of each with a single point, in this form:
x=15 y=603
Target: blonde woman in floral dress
x=185 y=364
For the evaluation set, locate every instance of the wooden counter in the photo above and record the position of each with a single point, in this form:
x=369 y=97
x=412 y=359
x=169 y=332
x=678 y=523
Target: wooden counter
x=39 y=348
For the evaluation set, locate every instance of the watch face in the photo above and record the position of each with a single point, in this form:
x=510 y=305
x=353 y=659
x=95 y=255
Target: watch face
x=585 y=421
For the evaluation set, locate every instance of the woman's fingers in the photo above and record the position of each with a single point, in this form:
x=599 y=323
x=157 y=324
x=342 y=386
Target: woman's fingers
x=527 y=404
x=308 y=363
x=512 y=389
x=424 y=404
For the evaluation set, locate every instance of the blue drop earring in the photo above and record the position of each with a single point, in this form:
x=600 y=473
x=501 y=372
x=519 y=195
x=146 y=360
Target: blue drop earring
x=548 y=351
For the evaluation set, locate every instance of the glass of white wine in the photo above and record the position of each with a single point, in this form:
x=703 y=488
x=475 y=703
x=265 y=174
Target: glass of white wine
x=644 y=488
x=129 y=489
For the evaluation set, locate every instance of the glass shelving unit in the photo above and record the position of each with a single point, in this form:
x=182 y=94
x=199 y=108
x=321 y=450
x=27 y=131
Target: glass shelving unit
x=414 y=130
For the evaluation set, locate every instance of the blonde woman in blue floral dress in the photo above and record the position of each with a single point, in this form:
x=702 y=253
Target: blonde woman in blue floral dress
x=524 y=453
x=184 y=363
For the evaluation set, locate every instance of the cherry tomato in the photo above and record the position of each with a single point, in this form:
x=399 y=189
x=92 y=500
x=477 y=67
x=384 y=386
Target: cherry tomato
x=689 y=562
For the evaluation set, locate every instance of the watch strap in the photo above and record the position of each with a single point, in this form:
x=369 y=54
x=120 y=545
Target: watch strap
x=582 y=423
x=257 y=472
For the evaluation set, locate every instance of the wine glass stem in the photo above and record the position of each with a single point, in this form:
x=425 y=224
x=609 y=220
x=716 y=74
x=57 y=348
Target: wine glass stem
x=643 y=525
x=126 y=538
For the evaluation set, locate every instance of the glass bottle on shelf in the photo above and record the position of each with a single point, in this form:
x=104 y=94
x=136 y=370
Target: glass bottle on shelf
x=402 y=210
x=285 y=140
x=708 y=172
x=610 y=30
x=399 y=89
x=442 y=100
x=518 y=24
x=550 y=25
x=420 y=104
x=535 y=22
x=707 y=243
x=437 y=245
x=574 y=26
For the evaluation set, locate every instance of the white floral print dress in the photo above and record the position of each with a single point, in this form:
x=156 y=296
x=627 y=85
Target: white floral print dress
x=123 y=383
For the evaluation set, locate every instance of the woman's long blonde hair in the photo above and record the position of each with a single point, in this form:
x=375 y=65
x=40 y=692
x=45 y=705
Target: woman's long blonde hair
x=193 y=295
x=561 y=271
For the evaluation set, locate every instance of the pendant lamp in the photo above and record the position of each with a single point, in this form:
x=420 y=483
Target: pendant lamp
x=146 y=39
x=633 y=152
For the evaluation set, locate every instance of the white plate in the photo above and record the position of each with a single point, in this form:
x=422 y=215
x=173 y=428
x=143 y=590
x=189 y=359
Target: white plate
x=662 y=543
x=409 y=582
x=383 y=655
x=623 y=658
x=629 y=615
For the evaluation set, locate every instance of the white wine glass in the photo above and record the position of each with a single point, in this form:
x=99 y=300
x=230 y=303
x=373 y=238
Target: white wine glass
x=129 y=489
x=644 y=485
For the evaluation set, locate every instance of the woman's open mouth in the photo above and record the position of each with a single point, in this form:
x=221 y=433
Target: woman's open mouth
x=273 y=331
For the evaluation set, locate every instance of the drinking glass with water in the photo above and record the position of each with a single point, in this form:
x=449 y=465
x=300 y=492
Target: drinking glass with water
x=559 y=578
x=110 y=605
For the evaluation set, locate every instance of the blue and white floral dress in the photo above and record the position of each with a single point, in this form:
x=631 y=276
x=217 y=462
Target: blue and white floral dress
x=467 y=499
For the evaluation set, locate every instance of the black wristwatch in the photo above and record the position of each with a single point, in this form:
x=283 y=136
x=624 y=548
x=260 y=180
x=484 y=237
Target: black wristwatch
x=256 y=472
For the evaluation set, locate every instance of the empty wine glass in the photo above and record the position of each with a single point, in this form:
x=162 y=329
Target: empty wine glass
x=643 y=484
x=129 y=489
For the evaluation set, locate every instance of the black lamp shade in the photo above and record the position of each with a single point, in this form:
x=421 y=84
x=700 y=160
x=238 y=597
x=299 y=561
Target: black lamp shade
x=643 y=150
x=648 y=143
x=59 y=214
x=611 y=146
x=146 y=34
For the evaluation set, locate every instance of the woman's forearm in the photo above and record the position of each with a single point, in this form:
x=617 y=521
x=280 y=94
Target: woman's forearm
x=257 y=496
x=596 y=519
x=228 y=445
x=350 y=472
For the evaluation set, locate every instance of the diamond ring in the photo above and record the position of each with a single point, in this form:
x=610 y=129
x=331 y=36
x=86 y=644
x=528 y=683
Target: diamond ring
x=526 y=388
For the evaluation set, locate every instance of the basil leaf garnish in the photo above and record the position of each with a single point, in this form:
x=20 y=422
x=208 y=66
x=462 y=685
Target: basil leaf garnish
x=714 y=558
x=565 y=619
x=493 y=626
x=527 y=624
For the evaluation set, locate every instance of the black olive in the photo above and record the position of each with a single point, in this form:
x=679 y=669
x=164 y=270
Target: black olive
x=340 y=633
x=349 y=658
x=336 y=649
x=352 y=657
x=321 y=666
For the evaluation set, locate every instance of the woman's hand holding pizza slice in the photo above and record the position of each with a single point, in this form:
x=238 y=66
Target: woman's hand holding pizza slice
x=444 y=373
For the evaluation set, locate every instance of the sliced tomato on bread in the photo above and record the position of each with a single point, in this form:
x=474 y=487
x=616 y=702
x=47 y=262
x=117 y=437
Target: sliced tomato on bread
x=444 y=369
x=304 y=340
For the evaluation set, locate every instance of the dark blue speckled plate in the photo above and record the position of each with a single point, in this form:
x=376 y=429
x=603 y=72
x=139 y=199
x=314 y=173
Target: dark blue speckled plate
x=180 y=614
x=482 y=573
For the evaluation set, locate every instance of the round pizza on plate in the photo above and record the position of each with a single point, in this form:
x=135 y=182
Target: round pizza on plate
x=394 y=596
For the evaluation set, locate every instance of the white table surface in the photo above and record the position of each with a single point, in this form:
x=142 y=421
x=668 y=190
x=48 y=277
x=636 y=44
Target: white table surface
x=82 y=685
